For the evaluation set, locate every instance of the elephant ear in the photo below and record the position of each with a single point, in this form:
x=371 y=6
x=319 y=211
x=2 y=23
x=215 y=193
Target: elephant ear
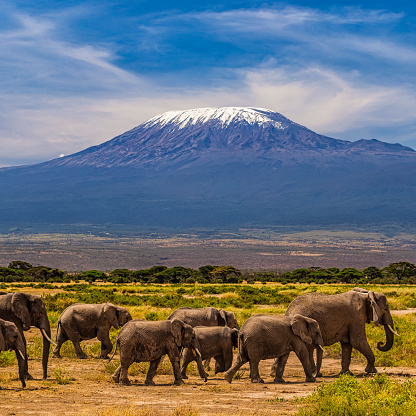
x=222 y=317
x=177 y=326
x=20 y=309
x=110 y=313
x=376 y=311
x=299 y=327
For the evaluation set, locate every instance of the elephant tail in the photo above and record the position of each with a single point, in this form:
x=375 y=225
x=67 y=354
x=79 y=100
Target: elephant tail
x=114 y=353
x=57 y=329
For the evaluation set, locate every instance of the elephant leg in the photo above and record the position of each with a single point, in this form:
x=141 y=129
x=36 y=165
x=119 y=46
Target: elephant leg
x=60 y=339
x=346 y=349
x=152 y=372
x=106 y=345
x=274 y=368
x=303 y=355
x=78 y=350
x=365 y=349
x=280 y=368
x=231 y=372
x=220 y=364
x=123 y=372
x=25 y=365
x=311 y=349
x=175 y=361
x=116 y=374
x=254 y=371
x=228 y=360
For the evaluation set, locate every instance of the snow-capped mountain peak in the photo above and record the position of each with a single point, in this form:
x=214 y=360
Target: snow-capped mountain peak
x=223 y=116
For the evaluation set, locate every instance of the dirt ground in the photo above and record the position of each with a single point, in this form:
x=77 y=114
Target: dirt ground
x=90 y=387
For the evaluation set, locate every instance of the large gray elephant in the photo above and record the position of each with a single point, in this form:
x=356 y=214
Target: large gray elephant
x=205 y=317
x=217 y=342
x=11 y=339
x=82 y=321
x=264 y=336
x=26 y=310
x=141 y=340
x=342 y=318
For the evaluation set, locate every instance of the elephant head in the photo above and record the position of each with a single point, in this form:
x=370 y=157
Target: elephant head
x=123 y=315
x=307 y=329
x=116 y=315
x=227 y=319
x=378 y=311
x=11 y=339
x=31 y=310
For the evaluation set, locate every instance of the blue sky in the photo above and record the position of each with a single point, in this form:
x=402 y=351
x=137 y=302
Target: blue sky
x=77 y=73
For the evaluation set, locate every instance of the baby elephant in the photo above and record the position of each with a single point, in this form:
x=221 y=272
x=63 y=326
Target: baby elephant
x=11 y=339
x=149 y=341
x=82 y=321
x=263 y=337
x=214 y=341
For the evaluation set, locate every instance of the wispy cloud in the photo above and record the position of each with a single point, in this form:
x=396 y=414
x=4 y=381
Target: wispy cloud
x=345 y=72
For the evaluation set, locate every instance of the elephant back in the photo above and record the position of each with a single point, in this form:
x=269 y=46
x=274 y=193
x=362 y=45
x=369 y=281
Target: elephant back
x=197 y=316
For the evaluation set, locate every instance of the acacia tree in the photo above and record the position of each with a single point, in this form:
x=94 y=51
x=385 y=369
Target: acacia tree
x=400 y=270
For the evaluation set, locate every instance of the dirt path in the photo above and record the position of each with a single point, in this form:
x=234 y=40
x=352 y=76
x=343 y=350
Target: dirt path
x=403 y=311
x=90 y=387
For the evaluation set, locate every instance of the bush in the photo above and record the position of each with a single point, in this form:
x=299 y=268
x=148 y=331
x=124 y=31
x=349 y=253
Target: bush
x=375 y=396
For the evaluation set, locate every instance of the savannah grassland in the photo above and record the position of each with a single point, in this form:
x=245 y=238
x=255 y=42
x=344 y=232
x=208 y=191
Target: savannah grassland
x=84 y=387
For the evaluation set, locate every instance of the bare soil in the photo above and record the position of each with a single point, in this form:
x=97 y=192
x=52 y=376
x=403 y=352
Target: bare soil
x=90 y=388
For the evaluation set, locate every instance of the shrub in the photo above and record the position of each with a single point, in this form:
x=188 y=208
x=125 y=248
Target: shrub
x=375 y=396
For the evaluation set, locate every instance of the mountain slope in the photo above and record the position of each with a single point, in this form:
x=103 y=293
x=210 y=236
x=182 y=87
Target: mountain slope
x=215 y=167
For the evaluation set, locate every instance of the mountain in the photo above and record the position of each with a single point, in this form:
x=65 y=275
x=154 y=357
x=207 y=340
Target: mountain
x=215 y=168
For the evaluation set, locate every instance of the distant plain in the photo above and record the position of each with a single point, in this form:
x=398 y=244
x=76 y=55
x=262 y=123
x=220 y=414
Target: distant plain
x=246 y=249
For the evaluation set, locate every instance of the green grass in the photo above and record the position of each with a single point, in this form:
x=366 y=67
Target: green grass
x=376 y=396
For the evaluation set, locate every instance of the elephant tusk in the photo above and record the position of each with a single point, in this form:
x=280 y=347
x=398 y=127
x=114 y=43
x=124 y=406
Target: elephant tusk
x=321 y=347
x=196 y=352
x=21 y=354
x=392 y=330
x=46 y=336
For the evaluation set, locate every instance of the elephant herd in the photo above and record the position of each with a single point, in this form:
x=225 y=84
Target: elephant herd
x=311 y=321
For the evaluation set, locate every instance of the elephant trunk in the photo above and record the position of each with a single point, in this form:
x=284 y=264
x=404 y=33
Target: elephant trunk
x=389 y=330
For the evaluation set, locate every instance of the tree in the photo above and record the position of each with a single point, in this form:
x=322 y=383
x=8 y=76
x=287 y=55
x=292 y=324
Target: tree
x=400 y=270
x=372 y=272
x=20 y=265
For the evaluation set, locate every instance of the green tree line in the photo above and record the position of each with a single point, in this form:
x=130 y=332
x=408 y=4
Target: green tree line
x=400 y=272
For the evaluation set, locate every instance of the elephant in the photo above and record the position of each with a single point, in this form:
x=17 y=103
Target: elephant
x=26 y=310
x=141 y=340
x=11 y=339
x=217 y=342
x=264 y=336
x=342 y=318
x=86 y=321
x=205 y=317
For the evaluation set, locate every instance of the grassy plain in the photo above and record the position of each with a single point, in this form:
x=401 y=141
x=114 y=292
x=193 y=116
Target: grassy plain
x=84 y=387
